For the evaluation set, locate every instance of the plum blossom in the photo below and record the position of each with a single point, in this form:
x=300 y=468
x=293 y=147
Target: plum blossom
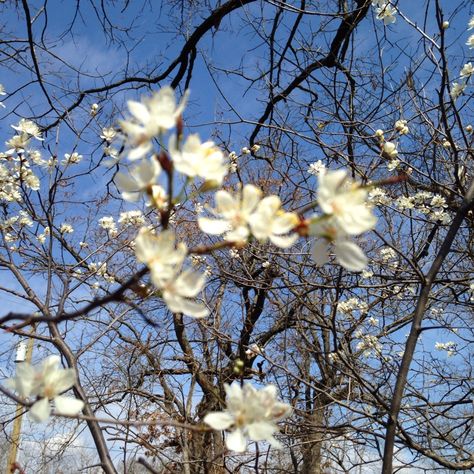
x=196 y=159
x=46 y=383
x=316 y=167
x=164 y=259
x=346 y=201
x=386 y=13
x=346 y=214
x=401 y=127
x=389 y=149
x=470 y=42
x=18 y=143
x=139 y=181
x=457 y=89
x=233 y=214
x=250 y=414
x=29 y=128
x=108 y=134
x=159 y=252
x=467 y=70
x=2 y=92
x=150 y=118
x=470 y=24
x=71 y=158
x=269 y=221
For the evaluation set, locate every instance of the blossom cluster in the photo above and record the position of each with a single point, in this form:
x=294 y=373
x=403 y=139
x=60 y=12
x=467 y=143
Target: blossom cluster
x=458 y=87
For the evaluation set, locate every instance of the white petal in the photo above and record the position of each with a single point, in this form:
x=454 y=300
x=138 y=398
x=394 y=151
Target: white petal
x=190 y=283
x=194 y=309
x=68 y=405
x=261 y=430
x=236 y=441
x=125 y=183
x=40 y=410
x=138 y=110
x=350 y=255
x=320 y=252
x=284 y=242
x=251 y=195
x=219 y=420
x=213 y=226
x=225 y=203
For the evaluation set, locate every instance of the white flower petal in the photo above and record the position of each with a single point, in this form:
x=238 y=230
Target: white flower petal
x=219 y=420
x=350 y=255
x=261 y=430
x=213 y=226
x=40 y=410
x=68 y=405
x=236 y=441
x=320 y=252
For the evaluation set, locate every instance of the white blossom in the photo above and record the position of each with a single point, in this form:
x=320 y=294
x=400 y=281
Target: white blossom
x=401 y=127
x=470 y=24
x=467 y=70
x=139 y=180
x=43 y=384
x=108 y=134
x=250 y=414
x=269 y=221
x=108 y=223
x=390 y=150
x=66 y=228
x=196 y=159
x=457 y=89
x=150 y=118
x=386 y=13
x=71 y=158
x=29 y=128
x=316 y=167
x=232 y=214
x=164 y=259
x=18 y=143
x=346 y=201
x=134 y=217
x=470 y=42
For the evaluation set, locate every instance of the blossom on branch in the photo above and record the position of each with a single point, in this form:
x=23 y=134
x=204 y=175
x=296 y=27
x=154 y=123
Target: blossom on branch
x=196 y=159
x=165 y=259
x=345 y=214
x=271 y=222
x=250 y=414
x=232 y=214
x=139 y=181
x=46 y=383
x=150 y=118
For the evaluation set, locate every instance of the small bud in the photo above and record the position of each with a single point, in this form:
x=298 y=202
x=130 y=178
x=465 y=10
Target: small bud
x=469 y=128
x=445 y=25
x=94 y=110
x=245 y=150
x=379 y=133
x=255 y=148
x=446 y=144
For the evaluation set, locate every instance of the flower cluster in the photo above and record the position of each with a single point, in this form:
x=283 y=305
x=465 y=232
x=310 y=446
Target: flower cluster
x=165 y=259
x=250 y=414
x=246 y=213
x=458 y=87
x=43 y=384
